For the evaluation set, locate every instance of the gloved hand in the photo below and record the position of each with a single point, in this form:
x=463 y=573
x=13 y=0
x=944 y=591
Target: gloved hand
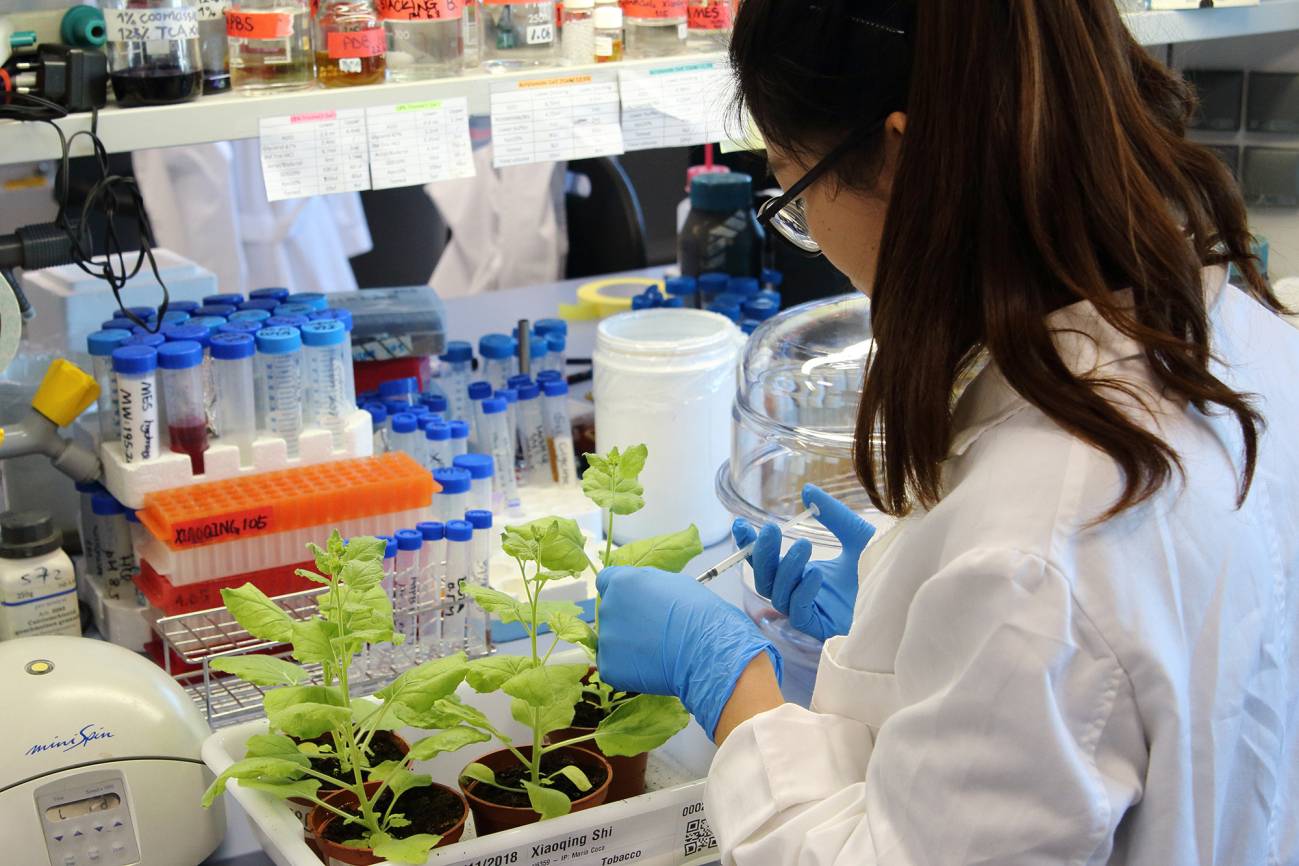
x=664 y=634
x=817 y=598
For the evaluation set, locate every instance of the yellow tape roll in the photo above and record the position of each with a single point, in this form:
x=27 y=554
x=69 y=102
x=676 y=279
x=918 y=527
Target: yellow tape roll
x=601 y=298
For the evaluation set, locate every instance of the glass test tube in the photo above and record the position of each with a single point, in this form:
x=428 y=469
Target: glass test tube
x=511 y=398
x=532 y=433
x=86 y=491
x=406 y=436
x=478 y=392
x=559 y=433
x=234 y=404
x=324 y=361
x=405 y=586
x=183 y=397
x=457 y=362
x=556 y=357
x=203 y=336
x=379 y=421
x=453 y=501
x=480 y=467
x=429 y=588
x=279 y=385
x=389 y=565
x=437 y=439
x=101 y=345
x=502 y=451
x=460 y=534
x=459 y=438
x=480 y=558
x=137 y=401
x=116 y=554
x=497 y=351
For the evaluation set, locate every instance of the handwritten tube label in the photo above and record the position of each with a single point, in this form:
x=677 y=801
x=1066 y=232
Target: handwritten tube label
x=654 y=8
x=151 y=25
x=258 y=25
x=212 y=10
x=223 y=527
x=358 y=43
x=421 y=10
x=710 y=15
x=137 y=408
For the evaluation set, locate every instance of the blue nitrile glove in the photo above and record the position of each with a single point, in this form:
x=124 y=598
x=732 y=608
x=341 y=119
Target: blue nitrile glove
x=817 y=598
x=664 y=634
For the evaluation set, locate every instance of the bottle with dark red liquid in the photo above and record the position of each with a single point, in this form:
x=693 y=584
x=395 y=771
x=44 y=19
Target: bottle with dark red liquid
x=186 y=404
x=153 y=51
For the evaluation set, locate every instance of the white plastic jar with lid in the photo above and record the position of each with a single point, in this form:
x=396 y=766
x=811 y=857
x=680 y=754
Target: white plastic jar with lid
x=578 y=32
x=38 y=587
x=666 y=378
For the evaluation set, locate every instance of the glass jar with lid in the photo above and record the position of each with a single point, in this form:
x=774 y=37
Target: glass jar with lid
x=516 y=35
x=270 y=45
x=426 y=38
x=153 y=51
x=351 y=46
x=655 y=28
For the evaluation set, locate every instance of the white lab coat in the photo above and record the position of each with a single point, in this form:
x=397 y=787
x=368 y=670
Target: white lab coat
x=1020 y=687
x=207 y=202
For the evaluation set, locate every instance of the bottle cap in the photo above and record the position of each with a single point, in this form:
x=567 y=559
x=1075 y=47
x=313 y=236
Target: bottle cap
x=748 y=326
x=556 y=342
x=477 y=465
x=153 y=341
x=285 y=321
x=493 y=406
x=608 y=18
x=378 y=414
x=142 y=312
x=680 y=286
x=437 y=432
x=274 y=293
x=549 y=376
x=315 y=300
x=247 y=315
x=432 y=530
x=768 y=293
x=104 y=505
x=462 y=530
x=233 y=299
x=460 y=429
x=480 y=390
x=278 y=341
x=509 y=395
x=171 y=317
x=391 y=549
x=324 y=333
x=222 y=310
x=102 y=343
x=727 y=299
x=244 y=327
x=192 y=333
x=713 y=283
x=517 y=380
x=135 y=359
x=266 y=304
x=674 y=303
x=555 y=389
x=457 y=352
x=434 y=402
x=760 y=308
x=24 y=534
x=233 y=347
x=117 y=323
x=498 y=347
x=132 y=516
x=452 y=479
x=209 y=322
x=396 y=406
x=477 y=518
x=745 y=287
x=394 y=388
x=730 y=311
x=292 y=309
x=339 y=314
x=181 y=355
x=721 y=193
x=546 y=327
x=403 y=422
x=409 y=539
x=695 y=170
x=772 y=277
x=529 y=391
x=89 y=487
x=183 y=306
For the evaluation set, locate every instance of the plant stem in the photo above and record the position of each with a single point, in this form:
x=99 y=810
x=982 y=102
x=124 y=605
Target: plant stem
x=535 y=764
x=573 y=742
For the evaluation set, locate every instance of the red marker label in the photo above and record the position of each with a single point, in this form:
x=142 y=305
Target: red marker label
x=421 y=10
x=716 y=15
x=223 y=527
x=360 y=43
x=654 y=8
x=258 y=25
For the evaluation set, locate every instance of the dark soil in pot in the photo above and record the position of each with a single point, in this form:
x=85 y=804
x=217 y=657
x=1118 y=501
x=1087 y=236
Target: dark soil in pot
x=551 y=763
x=491 y=816
x=433 y=810
x=385 y=746
x=628 y=773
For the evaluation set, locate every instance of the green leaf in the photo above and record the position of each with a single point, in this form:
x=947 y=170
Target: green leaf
x=503 y=606
x=480 y=773
x=519 y=544
x=412 y=849
x=304 y=789
x=667 y=552
x=450 y=740
x=361 y=573
x=289 y=695
x=571 y=628
x=421 y=686
x=276 y=746
x=306 y=712
x=612 y=481
x=547 y=802
x=269 y=769
x=490 y=673
x=260 y=617
x=398 y=821
x=640 y=725
x=311 y=575
x=399 y=778
x=453 y=711
x=261 y=670
x=548 y=685
x=563 y=548
x=365 y=548
x=311 y=641
x=632 y=462
x=576 y=776
x=326 y=560
x=543 y=719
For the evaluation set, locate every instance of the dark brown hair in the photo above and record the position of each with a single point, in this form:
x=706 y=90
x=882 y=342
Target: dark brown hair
x=1045 y=162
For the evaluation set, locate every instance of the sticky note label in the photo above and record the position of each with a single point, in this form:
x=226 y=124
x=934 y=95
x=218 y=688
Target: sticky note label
x=259 y=25
x=421 y=10
x=223 y=527
x=360 y=43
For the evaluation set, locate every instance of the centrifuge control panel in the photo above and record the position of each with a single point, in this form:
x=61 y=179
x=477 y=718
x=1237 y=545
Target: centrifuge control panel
x=87 y=820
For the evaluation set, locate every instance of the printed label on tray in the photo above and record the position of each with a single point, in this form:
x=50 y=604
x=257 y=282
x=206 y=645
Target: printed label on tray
x=654 y=8
x=151 y=25
x=259 y=25
x=713 y=15
x=421 y=10
x=223 y=527
x=361 y=43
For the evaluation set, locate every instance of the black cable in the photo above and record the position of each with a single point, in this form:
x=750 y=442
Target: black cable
x=103 y=198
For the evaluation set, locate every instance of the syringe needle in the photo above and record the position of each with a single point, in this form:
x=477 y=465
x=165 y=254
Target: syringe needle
x=743 y=553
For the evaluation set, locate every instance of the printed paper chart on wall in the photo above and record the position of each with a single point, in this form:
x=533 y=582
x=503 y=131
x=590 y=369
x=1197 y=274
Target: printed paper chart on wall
x=419 y=142
x=555 y=119
x=677 y=106
x=314 y=154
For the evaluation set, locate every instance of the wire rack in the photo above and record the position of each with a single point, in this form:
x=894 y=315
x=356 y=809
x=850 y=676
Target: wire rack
x=191 y=641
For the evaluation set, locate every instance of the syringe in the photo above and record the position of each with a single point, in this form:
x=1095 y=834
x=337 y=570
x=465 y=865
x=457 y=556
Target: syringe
x=743 y=553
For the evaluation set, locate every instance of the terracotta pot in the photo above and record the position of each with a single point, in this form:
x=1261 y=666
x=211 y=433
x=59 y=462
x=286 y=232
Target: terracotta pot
x=332 y=853
x=628 y=773
x=492 y=818
x=302 y=809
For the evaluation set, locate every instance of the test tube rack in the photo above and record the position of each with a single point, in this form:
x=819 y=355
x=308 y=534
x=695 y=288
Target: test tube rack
x=130 y=483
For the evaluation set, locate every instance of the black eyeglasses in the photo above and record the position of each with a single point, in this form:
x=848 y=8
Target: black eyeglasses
x=787 y=213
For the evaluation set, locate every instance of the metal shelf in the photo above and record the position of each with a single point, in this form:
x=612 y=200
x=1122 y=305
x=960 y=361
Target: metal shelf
x=1195 y=25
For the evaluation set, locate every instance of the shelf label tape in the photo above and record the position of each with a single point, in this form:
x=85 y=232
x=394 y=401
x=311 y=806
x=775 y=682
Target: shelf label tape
x=421 y=10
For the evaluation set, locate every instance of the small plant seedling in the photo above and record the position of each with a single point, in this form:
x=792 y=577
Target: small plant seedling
x=354 y=611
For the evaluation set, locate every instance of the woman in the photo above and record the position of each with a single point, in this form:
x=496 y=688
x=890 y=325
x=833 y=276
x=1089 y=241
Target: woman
x=1077 y=644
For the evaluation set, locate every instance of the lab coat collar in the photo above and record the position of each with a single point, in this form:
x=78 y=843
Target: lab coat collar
x=1087 y=344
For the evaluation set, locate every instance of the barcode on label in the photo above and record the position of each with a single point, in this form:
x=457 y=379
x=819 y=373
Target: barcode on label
x=699 y=837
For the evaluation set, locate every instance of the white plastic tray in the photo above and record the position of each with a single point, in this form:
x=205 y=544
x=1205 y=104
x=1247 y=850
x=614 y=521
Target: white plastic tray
x=666 y=826
x=131 y=482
